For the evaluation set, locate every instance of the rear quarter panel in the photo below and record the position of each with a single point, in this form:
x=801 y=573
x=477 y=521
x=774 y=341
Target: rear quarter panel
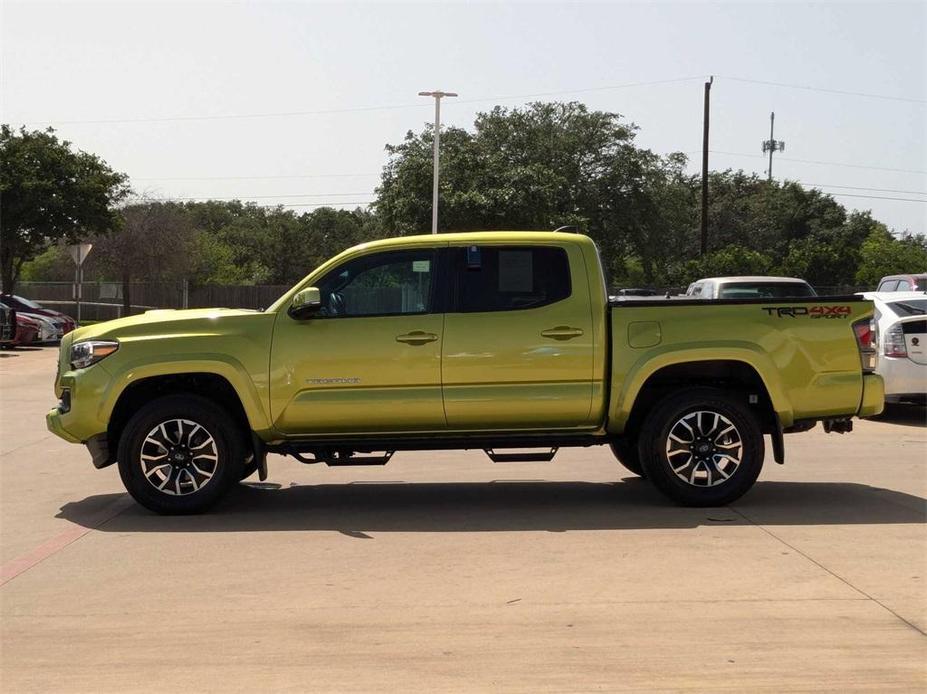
x=805 y=350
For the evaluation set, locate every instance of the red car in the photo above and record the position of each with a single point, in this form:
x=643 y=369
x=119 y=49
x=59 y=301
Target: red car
x=27 y=330
x=23 y=305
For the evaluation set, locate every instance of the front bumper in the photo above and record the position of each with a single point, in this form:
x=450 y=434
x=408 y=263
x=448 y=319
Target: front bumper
x=873 y=400
x=56 y=426
x=82 y=412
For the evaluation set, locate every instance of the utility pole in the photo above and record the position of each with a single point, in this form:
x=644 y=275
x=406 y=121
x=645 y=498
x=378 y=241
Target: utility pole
x=705 y=119
x=771 y=145
x=438 y=95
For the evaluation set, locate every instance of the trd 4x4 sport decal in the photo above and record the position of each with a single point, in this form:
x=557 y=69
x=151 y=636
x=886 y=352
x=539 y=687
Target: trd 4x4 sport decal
x=828 y=312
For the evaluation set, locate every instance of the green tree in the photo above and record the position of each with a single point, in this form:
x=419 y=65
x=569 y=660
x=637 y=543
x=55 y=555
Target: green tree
x=541 y=167
x=733 y=259
x=154 y=242
x=883 y=254
x=50 y=192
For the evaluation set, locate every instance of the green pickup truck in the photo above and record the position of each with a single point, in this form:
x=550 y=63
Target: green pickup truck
x=500 y=341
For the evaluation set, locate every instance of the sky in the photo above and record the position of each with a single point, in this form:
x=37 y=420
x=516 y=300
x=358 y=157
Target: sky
x=293 y=103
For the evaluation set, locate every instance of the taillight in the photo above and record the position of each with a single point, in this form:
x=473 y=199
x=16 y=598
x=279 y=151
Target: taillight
x=864 y=330
x=893 y=345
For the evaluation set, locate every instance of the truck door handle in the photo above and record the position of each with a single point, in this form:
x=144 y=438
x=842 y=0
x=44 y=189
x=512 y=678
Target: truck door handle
x=562 y=332
x=416 y=337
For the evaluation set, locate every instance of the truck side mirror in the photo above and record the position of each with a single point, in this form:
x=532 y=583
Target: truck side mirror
x=306 y=302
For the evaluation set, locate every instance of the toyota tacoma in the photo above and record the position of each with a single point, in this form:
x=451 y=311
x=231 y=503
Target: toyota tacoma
x=500 y=341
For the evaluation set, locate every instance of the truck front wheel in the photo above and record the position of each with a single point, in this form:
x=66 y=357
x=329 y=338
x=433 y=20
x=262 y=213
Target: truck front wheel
x=701 y=447
x=180 y=453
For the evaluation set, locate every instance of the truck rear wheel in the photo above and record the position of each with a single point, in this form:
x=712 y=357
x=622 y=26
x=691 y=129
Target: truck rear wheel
x=625 y=452
x=180 y=453
x=701 y=447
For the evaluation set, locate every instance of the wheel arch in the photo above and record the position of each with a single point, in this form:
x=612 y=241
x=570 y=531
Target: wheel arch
x=647 y=385
x=206 y=384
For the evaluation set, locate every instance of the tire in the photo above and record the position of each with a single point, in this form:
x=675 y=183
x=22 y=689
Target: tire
x=626 y=453
x=200 y=444
x=249 y=468
x=725 y=449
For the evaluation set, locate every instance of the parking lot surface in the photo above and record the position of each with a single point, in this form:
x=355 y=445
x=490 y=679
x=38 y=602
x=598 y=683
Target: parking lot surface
x=446 y=572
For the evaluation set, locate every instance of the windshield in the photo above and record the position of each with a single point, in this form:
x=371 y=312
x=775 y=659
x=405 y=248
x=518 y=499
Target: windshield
x=911 y=307
x=27 y=302
x=18 y=302
x=765 y=290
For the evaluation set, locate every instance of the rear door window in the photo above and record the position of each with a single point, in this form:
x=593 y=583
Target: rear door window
x=509 y=278
x=903 y=286
x=888 y=286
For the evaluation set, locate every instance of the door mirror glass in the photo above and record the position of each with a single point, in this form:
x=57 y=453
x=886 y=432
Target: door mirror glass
x=305 y=303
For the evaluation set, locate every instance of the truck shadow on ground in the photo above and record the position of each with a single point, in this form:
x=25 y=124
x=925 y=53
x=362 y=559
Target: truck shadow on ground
x=355 y=509
x=905 y=415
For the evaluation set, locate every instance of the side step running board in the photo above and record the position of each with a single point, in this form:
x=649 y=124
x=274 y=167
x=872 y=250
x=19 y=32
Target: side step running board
x=343 y=458
x=523 y=457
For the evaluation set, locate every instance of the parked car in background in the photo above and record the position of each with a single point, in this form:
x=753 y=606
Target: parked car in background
x=27 y=330
x=636 y=291
x=749 y=287
x=49 y=329
x=900 y=334
x=903 y=283
x=62 y=321
x=7 y=326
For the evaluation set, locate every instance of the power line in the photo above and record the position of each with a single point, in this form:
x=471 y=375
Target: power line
x=355 y=109
x=827 y=91
x=878 y=190
x=253 y=197
x=389 y=107
x=626 y=85
x=247 y=178
x=829 y=163
x=874 y=197
x=249 y=198
x=325 y=204
x=226 y=116
x=335 y=203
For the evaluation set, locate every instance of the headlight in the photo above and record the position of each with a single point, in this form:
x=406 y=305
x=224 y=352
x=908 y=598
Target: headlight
x=84 y=354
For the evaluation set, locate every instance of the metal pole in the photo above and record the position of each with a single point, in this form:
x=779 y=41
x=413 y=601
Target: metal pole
x=705 y=120
x=772 y=120
x=437 y=165
x=78 y=281
x=438 y=95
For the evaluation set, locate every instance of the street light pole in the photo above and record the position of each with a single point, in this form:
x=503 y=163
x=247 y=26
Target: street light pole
x=438 y=95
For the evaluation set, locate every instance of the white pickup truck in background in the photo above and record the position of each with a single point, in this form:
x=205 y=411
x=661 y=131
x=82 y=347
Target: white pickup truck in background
x=749 y=287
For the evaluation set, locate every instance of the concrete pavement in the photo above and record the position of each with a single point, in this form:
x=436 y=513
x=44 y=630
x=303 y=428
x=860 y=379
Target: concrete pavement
x=445 y=572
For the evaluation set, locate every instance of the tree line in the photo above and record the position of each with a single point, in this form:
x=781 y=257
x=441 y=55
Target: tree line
x=539 y=167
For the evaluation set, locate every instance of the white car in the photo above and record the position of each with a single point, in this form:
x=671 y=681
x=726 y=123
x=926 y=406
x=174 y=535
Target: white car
x=749 y=287
x=900 y=324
